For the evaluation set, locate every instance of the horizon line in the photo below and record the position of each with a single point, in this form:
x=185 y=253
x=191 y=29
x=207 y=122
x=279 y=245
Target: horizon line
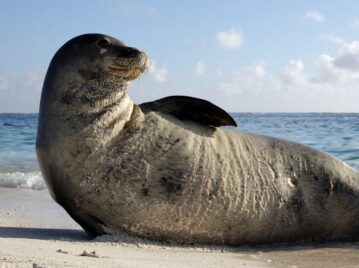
x=35 y=113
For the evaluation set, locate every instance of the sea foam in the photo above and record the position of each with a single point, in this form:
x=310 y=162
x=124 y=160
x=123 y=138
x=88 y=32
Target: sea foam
x=29 y=180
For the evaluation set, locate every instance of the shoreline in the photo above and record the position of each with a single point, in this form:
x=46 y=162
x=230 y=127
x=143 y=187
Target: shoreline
x=36 y=232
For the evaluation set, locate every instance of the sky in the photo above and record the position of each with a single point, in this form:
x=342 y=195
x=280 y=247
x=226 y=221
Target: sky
x=244 y=56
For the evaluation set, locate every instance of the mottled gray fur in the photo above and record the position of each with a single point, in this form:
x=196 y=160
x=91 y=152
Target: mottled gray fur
x=116 y=169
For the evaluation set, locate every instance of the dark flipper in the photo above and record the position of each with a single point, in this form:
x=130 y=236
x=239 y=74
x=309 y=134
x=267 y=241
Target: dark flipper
x=193 y=109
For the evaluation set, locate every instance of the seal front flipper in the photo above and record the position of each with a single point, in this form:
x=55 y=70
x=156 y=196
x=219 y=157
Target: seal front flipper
x=189 y=108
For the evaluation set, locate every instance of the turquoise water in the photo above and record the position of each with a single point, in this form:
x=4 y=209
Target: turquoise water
x=336 y=134
x=17 y=142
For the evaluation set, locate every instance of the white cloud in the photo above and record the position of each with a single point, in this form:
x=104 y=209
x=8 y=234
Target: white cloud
x=326 y=71
x=159 y=74
x=230 y=39
x=332 y=87
x=200 y=68
x=339 y=71
x=293 y=73
x=253 y=79
x=315 y=16
x=4 y=82
x=333 y=38
x=348 y=57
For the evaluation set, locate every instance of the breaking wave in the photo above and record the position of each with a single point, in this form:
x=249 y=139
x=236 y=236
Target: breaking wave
x=27 y=180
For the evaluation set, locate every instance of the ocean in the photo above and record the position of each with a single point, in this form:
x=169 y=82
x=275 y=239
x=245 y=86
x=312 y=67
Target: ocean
x=336 y=134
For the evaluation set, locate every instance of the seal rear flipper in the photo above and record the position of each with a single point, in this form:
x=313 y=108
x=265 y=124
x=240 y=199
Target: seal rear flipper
x=189 y=108
x=92 y=225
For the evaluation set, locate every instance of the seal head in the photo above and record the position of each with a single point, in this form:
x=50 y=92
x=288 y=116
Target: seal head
x=100 y=55
x=91 y=57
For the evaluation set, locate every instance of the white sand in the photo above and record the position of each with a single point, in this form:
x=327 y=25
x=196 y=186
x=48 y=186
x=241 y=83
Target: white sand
x=33 y=229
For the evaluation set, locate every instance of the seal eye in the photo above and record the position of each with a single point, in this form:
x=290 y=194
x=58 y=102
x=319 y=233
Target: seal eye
x=103 y=43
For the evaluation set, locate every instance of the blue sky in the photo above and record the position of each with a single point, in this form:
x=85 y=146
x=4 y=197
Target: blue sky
x=245 y=56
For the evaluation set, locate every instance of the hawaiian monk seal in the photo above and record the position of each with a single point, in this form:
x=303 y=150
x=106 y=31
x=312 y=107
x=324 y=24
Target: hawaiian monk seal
x=163 y=170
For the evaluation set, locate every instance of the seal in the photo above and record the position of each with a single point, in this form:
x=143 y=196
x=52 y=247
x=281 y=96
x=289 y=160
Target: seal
x=164 y=170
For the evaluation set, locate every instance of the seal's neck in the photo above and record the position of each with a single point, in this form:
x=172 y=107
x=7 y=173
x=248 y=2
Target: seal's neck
x=97 y=109
x=104 y=108
x=108 y=121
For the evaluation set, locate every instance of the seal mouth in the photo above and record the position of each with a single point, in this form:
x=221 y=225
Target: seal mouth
x=128 y=74
x=128 y=68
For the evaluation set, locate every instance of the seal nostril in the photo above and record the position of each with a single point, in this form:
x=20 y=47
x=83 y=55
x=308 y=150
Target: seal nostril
x=130 y=52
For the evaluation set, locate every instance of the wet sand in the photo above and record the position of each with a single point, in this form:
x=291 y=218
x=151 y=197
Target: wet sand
x=36 y=232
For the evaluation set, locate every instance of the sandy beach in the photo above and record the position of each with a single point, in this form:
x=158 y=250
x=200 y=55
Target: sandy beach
x=36 y=232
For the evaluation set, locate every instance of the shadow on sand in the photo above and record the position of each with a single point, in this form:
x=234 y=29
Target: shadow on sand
x=81 y=236
x=44 y=234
